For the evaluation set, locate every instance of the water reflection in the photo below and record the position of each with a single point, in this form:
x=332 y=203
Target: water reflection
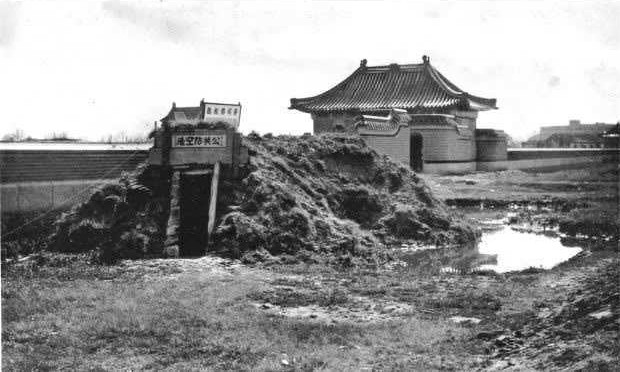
x=501 y=250
x=518 y=250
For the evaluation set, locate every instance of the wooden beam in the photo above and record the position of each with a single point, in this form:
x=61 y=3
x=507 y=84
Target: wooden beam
x=213 y=203
x=171 y=245
x=198 y=172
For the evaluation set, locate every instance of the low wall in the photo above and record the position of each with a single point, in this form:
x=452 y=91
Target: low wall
x=548 y=153
x=396 y=145
x=30 y=196
x=531 y=159
x=55 y=177
x=445 y=144
x=19 y=166
x=547 y=159
x=541 y=164
x=489 y=148
x=448 y=167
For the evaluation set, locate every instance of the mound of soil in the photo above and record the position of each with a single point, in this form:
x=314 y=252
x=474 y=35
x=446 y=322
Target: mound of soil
x=329 y=198
x=124 y=219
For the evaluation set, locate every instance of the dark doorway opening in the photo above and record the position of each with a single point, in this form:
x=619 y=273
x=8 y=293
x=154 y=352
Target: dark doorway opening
x=415 y=151
x=195 y=196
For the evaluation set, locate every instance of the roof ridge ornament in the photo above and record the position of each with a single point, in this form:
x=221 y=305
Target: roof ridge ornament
x=426 y=59
x=363 y=62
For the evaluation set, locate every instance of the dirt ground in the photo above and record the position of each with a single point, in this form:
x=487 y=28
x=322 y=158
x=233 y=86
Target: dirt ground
x=595 y=183
x=60 y=312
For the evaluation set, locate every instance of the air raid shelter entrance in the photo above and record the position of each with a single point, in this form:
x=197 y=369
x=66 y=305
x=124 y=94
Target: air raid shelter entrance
x=195 y=192
x=198 y=147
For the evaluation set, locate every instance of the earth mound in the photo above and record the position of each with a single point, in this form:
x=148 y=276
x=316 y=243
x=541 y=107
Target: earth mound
x=120 y=220
x=327 y=198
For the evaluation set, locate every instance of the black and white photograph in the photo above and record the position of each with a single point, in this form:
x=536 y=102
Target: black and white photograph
x=310 y=185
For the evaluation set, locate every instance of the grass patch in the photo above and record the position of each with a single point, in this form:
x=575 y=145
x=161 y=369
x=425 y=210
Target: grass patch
x=291 y=297
x=196 y=321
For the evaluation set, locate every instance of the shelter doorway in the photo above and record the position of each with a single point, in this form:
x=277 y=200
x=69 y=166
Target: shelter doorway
x=195 y=192
x=415 y=151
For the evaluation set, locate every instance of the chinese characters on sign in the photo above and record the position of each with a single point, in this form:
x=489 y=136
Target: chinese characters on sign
x=208 y=140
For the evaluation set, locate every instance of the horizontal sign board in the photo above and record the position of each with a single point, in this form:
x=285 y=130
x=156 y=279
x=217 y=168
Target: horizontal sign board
x=199 y=140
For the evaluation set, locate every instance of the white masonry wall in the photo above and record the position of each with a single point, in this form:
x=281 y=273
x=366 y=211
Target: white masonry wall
x=395 y=146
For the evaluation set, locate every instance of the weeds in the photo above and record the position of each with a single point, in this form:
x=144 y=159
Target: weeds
x=24 y=233
x=290 y=297
x=120 y=220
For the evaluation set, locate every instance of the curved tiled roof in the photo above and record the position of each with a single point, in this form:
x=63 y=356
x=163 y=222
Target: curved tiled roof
x=196 y=114
x=368 y=124
x=183 y=114
x=416 y=87
x=439 y=120
x=433 y=119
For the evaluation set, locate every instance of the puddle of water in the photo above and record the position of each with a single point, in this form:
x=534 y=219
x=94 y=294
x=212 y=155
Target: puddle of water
x=516 y=250
x=501 y=250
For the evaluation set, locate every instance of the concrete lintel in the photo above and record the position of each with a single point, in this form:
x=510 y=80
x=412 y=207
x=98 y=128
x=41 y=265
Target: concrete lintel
x=197 y=172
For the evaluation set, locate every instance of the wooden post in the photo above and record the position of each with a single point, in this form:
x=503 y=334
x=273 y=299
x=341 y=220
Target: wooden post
x=171 y=245
x=213 y=203
x=166 y=145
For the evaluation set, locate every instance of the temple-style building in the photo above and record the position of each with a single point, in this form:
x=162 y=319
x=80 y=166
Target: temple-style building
x=441 y=116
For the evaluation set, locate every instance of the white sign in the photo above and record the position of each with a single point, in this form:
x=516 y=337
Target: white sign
x=199 y=140
x=227 y=113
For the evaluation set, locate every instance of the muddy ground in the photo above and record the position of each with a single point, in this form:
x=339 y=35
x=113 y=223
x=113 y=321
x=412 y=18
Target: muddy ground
x=218 y=314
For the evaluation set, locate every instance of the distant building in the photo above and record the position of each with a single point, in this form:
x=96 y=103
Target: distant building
x=575 y=127
x=573 y=135
x=441 y=116
x=611 y=138
x=206 y=112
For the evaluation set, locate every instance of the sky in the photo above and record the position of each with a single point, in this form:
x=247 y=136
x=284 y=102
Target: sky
x=95 y=68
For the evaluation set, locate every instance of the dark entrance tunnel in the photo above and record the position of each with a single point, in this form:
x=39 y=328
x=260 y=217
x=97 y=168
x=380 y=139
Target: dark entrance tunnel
x=195 y=190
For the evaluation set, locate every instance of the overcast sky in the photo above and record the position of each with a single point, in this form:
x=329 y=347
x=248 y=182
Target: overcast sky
x=97 y=68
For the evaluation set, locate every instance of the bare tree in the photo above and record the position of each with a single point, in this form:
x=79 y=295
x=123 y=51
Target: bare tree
x=16 y=136
x=123 y=137
x=59 y=136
